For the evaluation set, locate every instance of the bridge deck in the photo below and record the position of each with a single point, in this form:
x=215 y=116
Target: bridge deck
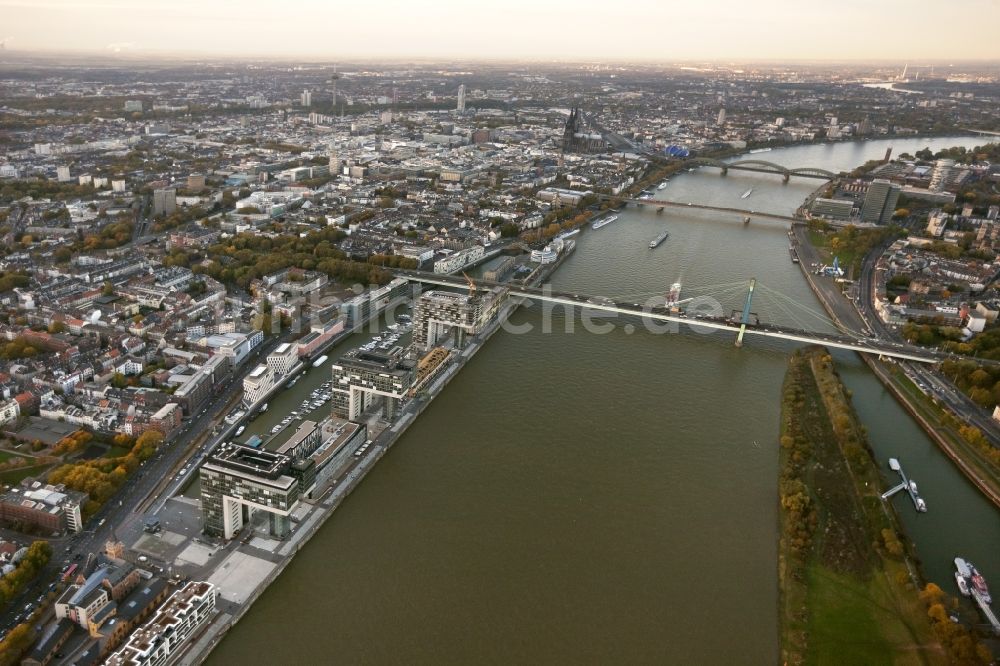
x=862 y=345
x=694 y=206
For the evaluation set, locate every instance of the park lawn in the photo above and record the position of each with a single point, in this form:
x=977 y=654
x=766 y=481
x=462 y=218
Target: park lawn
x=117 y=452
x=856 y=622
x=7 y=455
x=818 y=239
x=13 y=477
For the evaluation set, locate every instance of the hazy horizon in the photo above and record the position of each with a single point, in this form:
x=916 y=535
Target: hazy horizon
x=581 y=30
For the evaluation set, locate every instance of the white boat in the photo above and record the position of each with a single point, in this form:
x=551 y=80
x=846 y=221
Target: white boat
x=239 y=431
x=661 y=185
x=747 y=193
x=761 y=150
x=320 y=361
x=979 y=583
x=604 y=222
x=963 y=585
x=674 y=295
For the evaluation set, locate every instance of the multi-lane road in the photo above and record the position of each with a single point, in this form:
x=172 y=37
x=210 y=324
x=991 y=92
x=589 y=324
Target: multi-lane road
x=155 y=478
x=928 y=378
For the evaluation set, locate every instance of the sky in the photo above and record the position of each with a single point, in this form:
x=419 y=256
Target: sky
x=588 y=30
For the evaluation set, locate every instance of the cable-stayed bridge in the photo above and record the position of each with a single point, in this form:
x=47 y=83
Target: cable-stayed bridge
x=740 y=323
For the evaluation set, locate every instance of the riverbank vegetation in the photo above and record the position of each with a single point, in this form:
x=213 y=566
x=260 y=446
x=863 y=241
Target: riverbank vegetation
x=849 y=591
x=850 y=244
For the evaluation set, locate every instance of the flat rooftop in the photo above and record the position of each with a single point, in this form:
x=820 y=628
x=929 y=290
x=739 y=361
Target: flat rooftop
x=305 y=430
x=255 y=462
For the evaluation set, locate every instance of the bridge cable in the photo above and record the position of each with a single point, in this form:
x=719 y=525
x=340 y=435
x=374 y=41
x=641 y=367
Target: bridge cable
x=796 y=304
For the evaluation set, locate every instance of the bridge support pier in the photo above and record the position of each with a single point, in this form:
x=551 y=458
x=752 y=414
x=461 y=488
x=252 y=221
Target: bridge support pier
x=725 y=170
x=745 y=317
x=785 y=177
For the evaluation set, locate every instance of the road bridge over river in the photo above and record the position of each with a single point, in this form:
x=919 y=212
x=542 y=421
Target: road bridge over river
x=737 y=325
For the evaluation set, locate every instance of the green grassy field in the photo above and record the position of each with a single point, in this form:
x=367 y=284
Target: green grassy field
x=845 y=599
x=855 y=621
x=7 y=455
x=117 y=452
x=14 y=476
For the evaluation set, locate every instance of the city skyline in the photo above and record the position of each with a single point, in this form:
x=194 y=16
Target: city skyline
x=560 y=29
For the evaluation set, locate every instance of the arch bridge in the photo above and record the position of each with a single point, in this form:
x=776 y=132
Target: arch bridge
x=763 y=166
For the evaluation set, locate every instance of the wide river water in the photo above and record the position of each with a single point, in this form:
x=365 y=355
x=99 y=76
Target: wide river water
x=574 y=497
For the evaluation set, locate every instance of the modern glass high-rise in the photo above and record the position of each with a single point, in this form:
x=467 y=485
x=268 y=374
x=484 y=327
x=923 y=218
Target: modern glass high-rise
x=880 y=202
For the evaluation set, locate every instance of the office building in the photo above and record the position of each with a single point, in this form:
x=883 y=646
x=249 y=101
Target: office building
x=361 y=308
x=283 y=359
x=722 y=117
x=257 y=384
x=45 y=507
x=62 y=174
x=303 y=441
x=865 y=126
x=942 y=174
x=233 y=345
x=836 y=209
x=164 y=201
x=239 y=483
x=133 y=105
x=319 y=334
x=460 y=106
x=362 y=378
x=880 y=202
x=339 y=439
x=560 y=197
x=438 y=313
x=91 y=603
x=306 y=99
x=456 y=261
x=181 y=616
x=196 y=182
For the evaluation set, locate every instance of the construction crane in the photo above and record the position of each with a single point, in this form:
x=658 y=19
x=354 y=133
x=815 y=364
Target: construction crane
x=472 y=285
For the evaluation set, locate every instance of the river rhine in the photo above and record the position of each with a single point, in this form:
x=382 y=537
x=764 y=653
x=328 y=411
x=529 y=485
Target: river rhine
x=574 y=497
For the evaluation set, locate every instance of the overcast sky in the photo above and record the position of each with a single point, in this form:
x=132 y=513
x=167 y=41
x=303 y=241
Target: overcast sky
x=657 y=30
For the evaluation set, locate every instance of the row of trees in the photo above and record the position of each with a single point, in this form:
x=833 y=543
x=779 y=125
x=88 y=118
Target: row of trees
x=11 y=280
x=393 y=261
x=74 y=442
x=17 y=641
x=799 y=513
x=246 y=257
x=110 y=236
x=16 y=349
x=27 y=569
x=961 y=644
x=102 y=477
x=980 y=383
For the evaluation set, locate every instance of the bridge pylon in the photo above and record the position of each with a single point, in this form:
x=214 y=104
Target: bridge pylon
x=745 y=315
